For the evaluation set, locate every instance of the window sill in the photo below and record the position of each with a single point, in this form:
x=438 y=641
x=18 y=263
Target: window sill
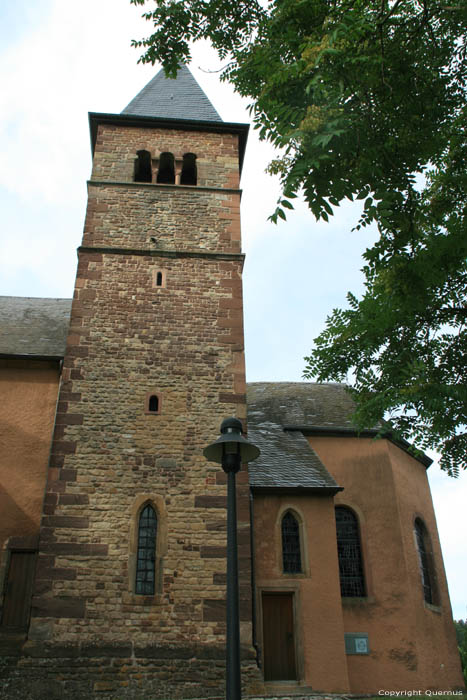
x=357 y=600
x=142 y=600
x=434 y=608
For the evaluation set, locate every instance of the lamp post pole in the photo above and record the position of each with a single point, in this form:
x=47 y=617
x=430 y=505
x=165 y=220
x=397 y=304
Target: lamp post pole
x=231 y=450
x=233 y=677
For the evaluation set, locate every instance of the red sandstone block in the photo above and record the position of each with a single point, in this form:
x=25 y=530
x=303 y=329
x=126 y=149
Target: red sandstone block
x=68 y=396
x=63 y=447
x=73 y=499
x=235 y=339
x=230 y=322
x=58 y=607
x=229 y=303
x=87 y=294
x=68 y=521
x=51 y=499
x=78 y=351
x=210 y=502
x=56 y=461
x=69 y=419
x=58 y=486
x=225 y=397
x=91 y=257
x=58 y=574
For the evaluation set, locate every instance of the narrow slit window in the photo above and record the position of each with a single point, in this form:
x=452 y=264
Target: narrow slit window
x=349 y=553
x=166 y=172
x=291 y=554
x=146 y=558
x=153 y=404
x=189 y=174
x=143 y=167
x=159 y=279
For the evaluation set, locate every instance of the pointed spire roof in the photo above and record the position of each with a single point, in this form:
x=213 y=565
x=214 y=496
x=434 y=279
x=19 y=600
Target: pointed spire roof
x=167 y=98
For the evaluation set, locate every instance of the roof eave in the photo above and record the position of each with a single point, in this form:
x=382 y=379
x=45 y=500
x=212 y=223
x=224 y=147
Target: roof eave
x=343 y=431
x=30 y=356
x=296 y=490
x=96 y=118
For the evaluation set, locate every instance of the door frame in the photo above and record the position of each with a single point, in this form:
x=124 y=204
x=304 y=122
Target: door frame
x=5 y=629
x=292 y=589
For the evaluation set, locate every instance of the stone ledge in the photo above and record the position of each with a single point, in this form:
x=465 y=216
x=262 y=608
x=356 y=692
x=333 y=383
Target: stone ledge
x=163 y=186
x=163 y=253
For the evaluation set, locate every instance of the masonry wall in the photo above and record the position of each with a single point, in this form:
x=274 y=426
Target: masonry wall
x=412 y=644
x=318 y=623
x=27 y=409
x=131 y=337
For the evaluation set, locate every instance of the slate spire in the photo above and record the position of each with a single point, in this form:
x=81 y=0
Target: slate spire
x=179 y=98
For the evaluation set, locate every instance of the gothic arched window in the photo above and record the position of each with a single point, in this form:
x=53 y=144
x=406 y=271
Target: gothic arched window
x=143 y=167
x=291 y=554
x=425 y=561
x=166 y=172
x=146 y=557
x=349 y=553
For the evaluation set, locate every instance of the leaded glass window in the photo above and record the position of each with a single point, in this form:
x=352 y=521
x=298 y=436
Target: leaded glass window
x=146 y=561
x=349 y=553
x=291 y=557
x=421 y=538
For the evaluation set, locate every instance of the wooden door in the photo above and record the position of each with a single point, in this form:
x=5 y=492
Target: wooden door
x=278 y=637
x=17 y=600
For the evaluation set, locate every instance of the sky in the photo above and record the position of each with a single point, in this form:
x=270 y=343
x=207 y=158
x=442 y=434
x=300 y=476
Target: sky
x=61 y=60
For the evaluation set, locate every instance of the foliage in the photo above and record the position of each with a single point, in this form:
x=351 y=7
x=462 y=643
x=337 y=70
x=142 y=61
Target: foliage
x=364 y=99
x=461 y=632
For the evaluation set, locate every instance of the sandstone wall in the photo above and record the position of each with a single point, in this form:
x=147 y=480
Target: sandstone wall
x=136 y=333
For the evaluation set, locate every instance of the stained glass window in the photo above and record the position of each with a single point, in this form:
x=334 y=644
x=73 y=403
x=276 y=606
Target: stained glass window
x=349 y=553
x=291 y=557
x=146 y=561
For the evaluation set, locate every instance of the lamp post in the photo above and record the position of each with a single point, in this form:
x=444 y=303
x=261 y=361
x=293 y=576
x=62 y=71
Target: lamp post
x=232 y=450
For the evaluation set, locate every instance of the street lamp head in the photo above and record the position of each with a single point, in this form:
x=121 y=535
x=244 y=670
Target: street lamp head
x=231 y=449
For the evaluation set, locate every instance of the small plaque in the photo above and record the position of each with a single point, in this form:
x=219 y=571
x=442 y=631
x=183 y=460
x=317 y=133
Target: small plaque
x=361 y=645
x=356 y=644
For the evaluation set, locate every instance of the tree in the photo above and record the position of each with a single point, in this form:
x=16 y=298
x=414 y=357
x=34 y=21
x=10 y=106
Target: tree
x=364 y=99
x=461 y=634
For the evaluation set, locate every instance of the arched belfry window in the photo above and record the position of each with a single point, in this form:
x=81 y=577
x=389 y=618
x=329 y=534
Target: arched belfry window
x=146 y=555
x=143 y=167
x=425 y=561
x=189 y=174
x=349 y=552
x=166 y=172
x=291 y=553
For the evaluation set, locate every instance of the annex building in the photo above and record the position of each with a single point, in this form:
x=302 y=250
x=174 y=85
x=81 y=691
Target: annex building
x=113 y=524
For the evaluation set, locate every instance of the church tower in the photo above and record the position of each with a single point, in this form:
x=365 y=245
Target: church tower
x=132 y=554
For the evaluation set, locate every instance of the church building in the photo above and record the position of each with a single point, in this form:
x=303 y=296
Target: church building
x=113 y=524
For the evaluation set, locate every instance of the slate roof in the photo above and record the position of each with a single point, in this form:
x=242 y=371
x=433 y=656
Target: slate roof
x=33 y=327
x=179 y=98
x=304 y=403
x=286 y=461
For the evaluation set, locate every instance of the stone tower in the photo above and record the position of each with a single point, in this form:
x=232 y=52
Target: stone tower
x=132 y=554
